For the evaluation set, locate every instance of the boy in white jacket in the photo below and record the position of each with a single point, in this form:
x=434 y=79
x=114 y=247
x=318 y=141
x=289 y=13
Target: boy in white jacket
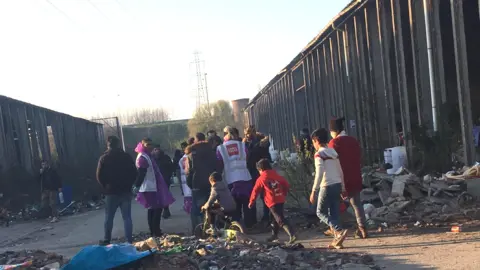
x=329 y=184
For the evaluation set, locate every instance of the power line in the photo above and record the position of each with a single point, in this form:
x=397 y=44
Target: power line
x=99 y=11
x=59 y=10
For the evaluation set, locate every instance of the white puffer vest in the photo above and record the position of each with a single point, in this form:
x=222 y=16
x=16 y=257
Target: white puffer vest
x=150 y=182
x=187 y=192
x=234 y=161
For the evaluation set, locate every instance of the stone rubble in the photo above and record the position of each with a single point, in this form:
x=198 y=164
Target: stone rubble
x=240 y=252
x=405 y=198
x=32 y=259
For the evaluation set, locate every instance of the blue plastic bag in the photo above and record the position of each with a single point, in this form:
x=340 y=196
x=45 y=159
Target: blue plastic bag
x=105 y=257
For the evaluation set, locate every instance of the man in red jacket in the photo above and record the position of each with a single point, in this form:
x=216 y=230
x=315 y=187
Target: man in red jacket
x=350 y=154
x=275 y=189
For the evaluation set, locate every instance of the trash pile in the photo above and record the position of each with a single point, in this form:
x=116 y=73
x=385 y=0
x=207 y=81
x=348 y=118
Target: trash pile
x=30 y=259
x=35 y=211
x=430 y=200
x=234 y=250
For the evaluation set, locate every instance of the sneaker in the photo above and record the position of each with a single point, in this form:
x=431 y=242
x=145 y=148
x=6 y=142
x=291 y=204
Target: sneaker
x=104 y=243
x=54 y=219
x=328 y=232
x=292 y=240
x=361 y=233
x=339 y=238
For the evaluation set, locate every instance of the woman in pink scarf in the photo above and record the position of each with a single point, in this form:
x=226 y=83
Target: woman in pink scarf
x=152 y=191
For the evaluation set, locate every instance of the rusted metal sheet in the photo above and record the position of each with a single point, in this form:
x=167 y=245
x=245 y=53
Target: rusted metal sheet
x=463 y=84
x=401 y=76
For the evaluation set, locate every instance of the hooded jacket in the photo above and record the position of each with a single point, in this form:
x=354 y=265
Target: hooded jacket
x=350 y=154
x=202 y=162
x=327 y=168
x=219 y=191
x=273 y=185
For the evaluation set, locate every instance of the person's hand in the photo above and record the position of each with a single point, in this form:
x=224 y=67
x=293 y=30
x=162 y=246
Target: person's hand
x=312 y=198
x=204 y=207
x=135 y=190
x=344 y=195
x=250 y=205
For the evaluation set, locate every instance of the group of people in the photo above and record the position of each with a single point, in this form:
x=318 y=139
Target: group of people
x=247 y=173
x=232 y=172
x=148 y=177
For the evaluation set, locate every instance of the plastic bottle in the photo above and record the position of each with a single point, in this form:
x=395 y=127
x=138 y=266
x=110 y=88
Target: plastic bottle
x=60 y=197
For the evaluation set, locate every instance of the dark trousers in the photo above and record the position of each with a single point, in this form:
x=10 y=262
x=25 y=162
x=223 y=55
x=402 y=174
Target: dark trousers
x=357 y=206
x=166 y=210
x=124 y=202
x=199 y=198
x=154 y=217
x=243 y=211
x=277 y=218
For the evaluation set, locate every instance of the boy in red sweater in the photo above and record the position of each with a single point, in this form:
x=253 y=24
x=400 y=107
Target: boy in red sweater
x=275 y=188
x=350 y=155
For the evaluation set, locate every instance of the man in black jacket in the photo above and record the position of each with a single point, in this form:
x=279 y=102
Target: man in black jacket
x=202 y=162
x=166 y=167
x=51 y=185
x=116 y=173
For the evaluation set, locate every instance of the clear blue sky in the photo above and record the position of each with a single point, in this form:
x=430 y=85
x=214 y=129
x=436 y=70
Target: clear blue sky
x=94 y=57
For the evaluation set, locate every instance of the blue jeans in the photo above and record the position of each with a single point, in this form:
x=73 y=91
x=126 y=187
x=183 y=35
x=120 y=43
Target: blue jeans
x=328 y=205
x=199 y=198
x=124 y=202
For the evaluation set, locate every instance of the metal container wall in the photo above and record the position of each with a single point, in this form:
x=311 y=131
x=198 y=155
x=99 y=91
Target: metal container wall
x=371 y=65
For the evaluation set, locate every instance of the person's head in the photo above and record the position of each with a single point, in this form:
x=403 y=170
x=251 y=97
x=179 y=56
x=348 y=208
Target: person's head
x=215 y=177
x=190 y=141
x=211 y=133
x=156 y=150
x=235 y=132
x=319 y=138
x=199 y=137
x=336 y=126
x=214 y=141
x=183 y=145
x=227 y=130
x=263 y=165
x=113 y=142
x=148 y=144
x=250 y=133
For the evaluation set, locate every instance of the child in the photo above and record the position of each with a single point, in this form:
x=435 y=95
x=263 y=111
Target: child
x=329 y=179
x=275 y=188
x=219 y=192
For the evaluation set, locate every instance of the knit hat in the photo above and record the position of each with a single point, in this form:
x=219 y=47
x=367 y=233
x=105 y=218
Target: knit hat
x=336 y=124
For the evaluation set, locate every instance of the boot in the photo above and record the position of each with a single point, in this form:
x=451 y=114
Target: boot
x=274 y=235
x=362 y=232
x=291 y=234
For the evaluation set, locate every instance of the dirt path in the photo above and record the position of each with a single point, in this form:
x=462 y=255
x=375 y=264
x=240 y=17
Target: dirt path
x=397 y=250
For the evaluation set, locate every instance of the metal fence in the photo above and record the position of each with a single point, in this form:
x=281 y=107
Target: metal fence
x=385 y=65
